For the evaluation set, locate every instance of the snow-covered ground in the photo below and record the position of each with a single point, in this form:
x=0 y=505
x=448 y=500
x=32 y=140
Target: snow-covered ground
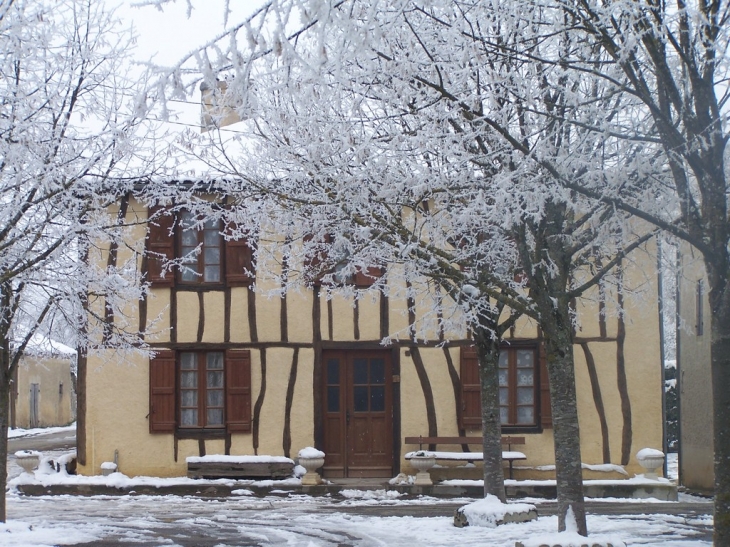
x=295 y=521
x=357 y=518
x=20 y=432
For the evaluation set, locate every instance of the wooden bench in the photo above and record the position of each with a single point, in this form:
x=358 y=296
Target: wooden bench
x=240 y=467
x=508 y=455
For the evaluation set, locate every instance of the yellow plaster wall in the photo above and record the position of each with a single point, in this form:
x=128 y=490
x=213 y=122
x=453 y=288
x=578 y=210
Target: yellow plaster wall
x=116 y=419
x=299 y=316
x=343 y=326
x=302 y=427
x=268 y=312
x=240 y=331
x=188 y=315
x=278 y=366
x=158 y=316
x=214 y=317
x=369 y=316
x=413 y=405
x=56 y=404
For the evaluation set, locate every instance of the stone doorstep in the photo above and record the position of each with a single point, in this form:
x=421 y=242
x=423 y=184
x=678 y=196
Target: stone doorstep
x=663 y=491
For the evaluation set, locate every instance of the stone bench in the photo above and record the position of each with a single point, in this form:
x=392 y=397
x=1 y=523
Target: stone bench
x=240 y=467
x=508 y=455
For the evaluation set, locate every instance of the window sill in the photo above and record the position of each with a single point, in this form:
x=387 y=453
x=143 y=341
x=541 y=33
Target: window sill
x=201 y=433
x=507 y=429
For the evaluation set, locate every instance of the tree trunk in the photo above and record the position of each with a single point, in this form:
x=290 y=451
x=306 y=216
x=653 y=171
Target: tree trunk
x=568 y=462
x=487 y=346
x=720 y=351
x=4 y=416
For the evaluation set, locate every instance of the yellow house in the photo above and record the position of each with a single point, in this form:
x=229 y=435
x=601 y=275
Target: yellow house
x=42 y=393
x=239 y=372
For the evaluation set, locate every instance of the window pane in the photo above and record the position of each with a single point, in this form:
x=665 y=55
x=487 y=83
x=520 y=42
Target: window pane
x=504 y=359
x=361 y=398
x=503 y=396
x=188 y=361
x=503 y=378
x=189 y=238
x=189 y=379
x=333 y=399
x=377 y=371
x=211 y=224
x=187 y=219
x=211 y=255
x=189 y=274
x=377 y=398
x=525 y=415
x=212 y=237
x=214 y=360
x=215 y=397
x=189 y=256
x=189 y=397
x=525 y=377
x=212 y=273
x=333 y=371
x=215 y=416
x=189 y=416
x=361 y=371
x=525 y=358
x=525 y=395
x=215 y=378
x=503 y=416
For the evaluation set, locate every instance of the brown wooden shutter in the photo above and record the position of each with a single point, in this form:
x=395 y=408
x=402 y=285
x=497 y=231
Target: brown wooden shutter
x=366 y=279
x=238 y=391
x=471 y=391
x=546 y=414
x=161 y=246
x=239 y=259
x=162 y=392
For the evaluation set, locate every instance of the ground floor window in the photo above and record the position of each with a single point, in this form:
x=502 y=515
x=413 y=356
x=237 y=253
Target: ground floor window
x=201 y=399
x=200 y=390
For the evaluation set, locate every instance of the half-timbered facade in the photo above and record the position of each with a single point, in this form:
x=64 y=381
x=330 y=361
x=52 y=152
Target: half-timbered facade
x=237 y=371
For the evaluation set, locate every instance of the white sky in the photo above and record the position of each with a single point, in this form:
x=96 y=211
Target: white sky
x=169 y=34
x=165 y=36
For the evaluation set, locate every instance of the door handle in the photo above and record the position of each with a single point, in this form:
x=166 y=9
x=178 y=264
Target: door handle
x=347 y=416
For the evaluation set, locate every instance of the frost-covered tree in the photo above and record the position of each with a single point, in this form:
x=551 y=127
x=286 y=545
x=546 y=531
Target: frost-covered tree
x=668 y=62
x=68 y=117
x=406 y=133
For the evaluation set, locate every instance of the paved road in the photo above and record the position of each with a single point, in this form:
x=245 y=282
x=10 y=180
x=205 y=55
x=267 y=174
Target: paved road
x=62 y=440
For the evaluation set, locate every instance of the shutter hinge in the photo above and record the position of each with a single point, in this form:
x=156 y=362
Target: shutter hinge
x=396 y=378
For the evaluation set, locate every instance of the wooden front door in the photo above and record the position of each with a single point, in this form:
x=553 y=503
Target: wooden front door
x=358 y=413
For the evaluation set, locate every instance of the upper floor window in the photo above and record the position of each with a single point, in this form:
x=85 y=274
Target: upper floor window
x=200 y=249
x=322 y=259
x=524 y=394
x=206 y=251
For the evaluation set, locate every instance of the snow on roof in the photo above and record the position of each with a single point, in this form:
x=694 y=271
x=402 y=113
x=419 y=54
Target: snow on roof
x=40 y=344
